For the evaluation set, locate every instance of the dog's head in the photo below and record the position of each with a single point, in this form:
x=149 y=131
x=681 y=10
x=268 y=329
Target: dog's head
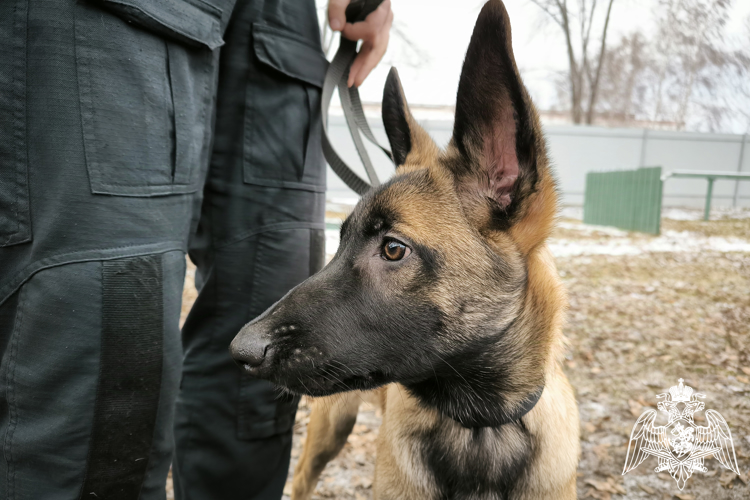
x=433 y=285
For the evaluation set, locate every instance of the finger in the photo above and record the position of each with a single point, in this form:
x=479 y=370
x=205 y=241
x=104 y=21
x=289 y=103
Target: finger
x=372 y=57
x=371 y=26
x=337 y=14
x=369 y=62
x=364 y=50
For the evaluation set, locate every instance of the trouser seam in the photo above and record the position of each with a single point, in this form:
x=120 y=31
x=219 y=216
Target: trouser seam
x=12 y=409
x=191 y=432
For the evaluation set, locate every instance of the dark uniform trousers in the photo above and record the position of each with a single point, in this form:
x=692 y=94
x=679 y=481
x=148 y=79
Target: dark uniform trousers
x=131 y=132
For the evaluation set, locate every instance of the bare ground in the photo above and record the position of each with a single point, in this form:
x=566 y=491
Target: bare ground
x=638 y=321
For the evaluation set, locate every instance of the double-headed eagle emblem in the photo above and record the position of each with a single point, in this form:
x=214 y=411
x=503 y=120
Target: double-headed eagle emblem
x=680 y=446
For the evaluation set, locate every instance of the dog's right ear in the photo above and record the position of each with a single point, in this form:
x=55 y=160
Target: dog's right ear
x=409 y=142
x=497 y=153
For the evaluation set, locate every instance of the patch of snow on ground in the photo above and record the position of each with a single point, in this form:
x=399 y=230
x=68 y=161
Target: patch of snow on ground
x=572 y=213
x=675 y=213
x=572 y=248
x=669 y=241
x=732 y=213
x=589 y=229
x=681 y=214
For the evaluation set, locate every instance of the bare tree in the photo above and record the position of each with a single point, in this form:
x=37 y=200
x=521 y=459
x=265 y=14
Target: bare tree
x=688 y=53
x=688 y=75
x=623 y=83
x=584 y=71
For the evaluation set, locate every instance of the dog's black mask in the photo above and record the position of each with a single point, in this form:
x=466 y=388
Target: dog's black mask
x=357 y=324
x=390 y=307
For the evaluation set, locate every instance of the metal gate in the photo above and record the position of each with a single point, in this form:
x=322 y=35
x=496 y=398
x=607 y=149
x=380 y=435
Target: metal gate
x=627 y=199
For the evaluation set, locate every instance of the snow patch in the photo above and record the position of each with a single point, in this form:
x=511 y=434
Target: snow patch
x=572 y=213
x=670 y=241
x=589 y=229
x=681 y=214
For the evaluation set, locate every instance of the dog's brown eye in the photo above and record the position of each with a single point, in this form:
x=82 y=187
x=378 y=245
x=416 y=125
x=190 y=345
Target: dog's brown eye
x=394 y=250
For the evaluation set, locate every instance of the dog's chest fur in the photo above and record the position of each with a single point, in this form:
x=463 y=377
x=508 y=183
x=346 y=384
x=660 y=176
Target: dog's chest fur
x=424 y=455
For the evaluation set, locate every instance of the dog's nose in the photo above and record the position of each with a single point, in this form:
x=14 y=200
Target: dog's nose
x=248 y=349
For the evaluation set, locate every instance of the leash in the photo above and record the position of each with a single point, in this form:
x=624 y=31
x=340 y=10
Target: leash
x=336 y=76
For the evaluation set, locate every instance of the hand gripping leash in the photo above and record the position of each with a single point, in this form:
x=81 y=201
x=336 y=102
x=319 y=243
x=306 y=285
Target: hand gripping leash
x=337 y=75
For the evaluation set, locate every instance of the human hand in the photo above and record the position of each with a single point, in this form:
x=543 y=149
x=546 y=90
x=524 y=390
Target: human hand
x=374 y=32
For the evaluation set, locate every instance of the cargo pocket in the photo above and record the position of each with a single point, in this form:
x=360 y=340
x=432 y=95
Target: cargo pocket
x=146 y=76
x=15 y=220
x=282 y=120
x=283 y=259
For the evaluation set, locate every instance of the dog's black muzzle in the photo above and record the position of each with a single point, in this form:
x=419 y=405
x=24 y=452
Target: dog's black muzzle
x=251 y=349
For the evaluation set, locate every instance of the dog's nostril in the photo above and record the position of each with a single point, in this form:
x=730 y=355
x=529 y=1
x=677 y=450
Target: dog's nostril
x=250 y=352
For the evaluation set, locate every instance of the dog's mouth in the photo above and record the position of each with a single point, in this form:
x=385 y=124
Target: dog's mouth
x=322 y=384
x=304 y=372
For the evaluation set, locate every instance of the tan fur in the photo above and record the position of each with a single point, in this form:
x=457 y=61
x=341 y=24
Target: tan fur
x=397 y=470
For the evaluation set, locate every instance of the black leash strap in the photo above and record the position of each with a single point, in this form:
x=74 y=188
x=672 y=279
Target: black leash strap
x=336 y=76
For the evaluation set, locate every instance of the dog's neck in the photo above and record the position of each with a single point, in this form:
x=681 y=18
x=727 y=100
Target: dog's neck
x=473 y=411
x=472 y=390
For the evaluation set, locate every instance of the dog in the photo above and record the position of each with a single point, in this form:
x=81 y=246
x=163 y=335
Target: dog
x=443 y=304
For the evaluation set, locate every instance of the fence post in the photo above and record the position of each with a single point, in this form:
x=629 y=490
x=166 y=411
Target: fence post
x=739 y=169
x=707 y=210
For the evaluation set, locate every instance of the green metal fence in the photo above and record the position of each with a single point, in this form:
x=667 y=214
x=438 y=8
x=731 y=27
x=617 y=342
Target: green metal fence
x=627 y=199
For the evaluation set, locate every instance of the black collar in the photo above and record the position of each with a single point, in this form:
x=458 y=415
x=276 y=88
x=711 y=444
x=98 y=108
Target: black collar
x=526 y=406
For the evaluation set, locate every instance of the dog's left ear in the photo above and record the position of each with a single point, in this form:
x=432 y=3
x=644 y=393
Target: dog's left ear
x=410 y=143
x=496 y=140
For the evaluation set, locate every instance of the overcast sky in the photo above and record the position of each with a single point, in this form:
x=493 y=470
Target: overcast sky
x=442 y=29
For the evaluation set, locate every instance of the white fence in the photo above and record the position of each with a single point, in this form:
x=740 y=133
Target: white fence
x=576 y=150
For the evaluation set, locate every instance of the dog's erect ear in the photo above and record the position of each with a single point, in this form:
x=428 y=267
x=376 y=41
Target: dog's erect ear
x=408 y=140
x=495 y=130
x=396 y=118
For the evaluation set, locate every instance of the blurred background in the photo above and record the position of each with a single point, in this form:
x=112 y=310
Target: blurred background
x=620 y=84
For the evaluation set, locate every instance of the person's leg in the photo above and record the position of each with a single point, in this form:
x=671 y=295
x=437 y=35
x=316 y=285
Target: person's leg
x=261 y=233
x=89 y=374
x=104 y=132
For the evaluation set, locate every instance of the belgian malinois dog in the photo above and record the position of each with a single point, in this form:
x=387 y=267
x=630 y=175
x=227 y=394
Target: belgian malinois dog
x=443 y=303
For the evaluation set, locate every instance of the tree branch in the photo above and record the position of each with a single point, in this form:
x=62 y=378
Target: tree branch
x=547 y=11
x=595 y=85
x=585 y=34
x=575 y=79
